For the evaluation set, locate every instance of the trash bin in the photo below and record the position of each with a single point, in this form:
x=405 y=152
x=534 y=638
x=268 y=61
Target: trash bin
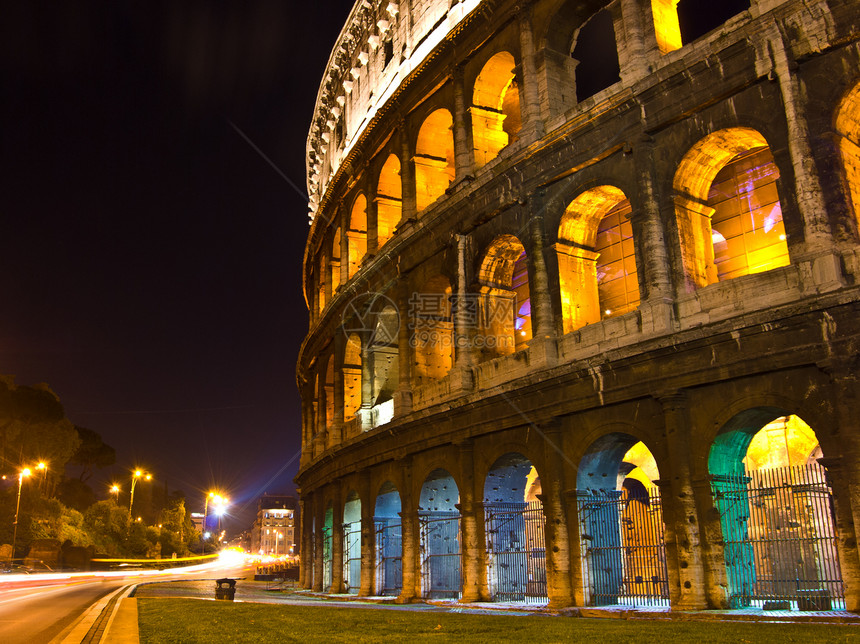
x=226 y=589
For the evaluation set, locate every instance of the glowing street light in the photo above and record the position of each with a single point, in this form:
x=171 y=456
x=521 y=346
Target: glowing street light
x=114 y=489
x=44 y=467
x=24 y=472
x=138 y=474
x=219 y=502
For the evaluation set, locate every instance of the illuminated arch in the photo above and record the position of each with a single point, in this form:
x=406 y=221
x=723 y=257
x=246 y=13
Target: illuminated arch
x=727 y=208
x=433 y=333
x=389 y=541
x=667 y=29
x=439 y=521
x=434 y=158
x=505 y=303
x=596 y=54
x=848 y=128
x=356 y=234
x=389 y=203
x=596 y=259
x=351 y=377
x=495 y=108
x=335 y=260
x=329 y=392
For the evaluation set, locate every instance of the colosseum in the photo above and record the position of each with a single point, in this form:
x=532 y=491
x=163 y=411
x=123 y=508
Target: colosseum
x=583 y=290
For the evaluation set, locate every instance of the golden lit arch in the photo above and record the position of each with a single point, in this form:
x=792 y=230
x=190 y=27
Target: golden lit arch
x=505 y=297
x=356 y=235
x=495 y=108
x=848 y=128
x=596 y=258
x=727 y=208
x=389 y=204
x=351 y=377
x=434 y=158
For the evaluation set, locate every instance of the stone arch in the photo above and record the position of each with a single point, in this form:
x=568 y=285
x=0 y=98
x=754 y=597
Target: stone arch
x=727 y=208
x=439 y=523
x=389 y=540
x=698 y=17
x=775 y=509
x=383 y=355
x=505 y=299
x=352 y=542
x=356 y=234
x=596 y=55
x=434 y=158
x=495 y=110
x=596 y=258
x=621 y=522
x=389 y=199
x=848 y=129
x=352 y=364
x=433 y=331
x=516 y=530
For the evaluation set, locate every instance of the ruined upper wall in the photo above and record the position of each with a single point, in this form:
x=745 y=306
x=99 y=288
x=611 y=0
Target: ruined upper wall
x=381 y=44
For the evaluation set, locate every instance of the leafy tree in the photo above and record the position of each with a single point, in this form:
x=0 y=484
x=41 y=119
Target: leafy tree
x=92 y=453
x=76 y=494
x=107 y=525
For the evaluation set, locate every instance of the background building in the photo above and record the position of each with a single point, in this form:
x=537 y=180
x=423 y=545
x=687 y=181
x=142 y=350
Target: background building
x=274 y=528
x=582 y=281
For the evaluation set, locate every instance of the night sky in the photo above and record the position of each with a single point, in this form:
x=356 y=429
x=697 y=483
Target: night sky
x=150 y=256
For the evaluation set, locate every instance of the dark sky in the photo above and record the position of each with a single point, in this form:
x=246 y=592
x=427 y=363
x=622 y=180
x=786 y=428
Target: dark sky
x=150 y=256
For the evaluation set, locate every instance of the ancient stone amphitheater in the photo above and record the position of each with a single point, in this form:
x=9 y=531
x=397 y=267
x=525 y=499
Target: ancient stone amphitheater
x=583 y=291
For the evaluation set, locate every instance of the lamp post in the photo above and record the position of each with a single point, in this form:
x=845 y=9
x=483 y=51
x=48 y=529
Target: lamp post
x=43 y=466
x=134 y=478
x=24 y=472
x=114 y=489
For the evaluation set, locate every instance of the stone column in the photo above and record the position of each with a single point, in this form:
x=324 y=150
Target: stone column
x=407 y=175
x=558 y=551
x=319 y=533
x=306 y=556
x=372 y=210
x=711 y=543
x=631 y=42
x=463 y=161
x=410 y=564
x=462 y=342
x=337 y=542
x=405 y=351
x=684 y=556
x=472 y=549
x=337 y=388
x=364 y=411
x=533 y=125
x=543 y=323
x=578 y=573
x=368 y=537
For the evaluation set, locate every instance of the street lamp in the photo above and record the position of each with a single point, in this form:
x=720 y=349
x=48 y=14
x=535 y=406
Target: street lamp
x=134 y=478
x=24 y=472
x=43 y=466
x=219 y=501
x=114 y=489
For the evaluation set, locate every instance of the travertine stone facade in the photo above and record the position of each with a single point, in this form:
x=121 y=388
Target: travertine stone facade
x=528 y=255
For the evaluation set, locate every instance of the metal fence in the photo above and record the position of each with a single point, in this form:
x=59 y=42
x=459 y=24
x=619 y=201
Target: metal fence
x=780 y=540
x=389 y=557
x=352 y=556
x=516 y=552
x=623 y=549
x=440 y=555
x=326 y=552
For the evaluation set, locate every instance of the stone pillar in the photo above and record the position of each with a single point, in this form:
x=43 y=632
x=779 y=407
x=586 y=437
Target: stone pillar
x=368 y=537
x=319 y=534
x=321 y=438
x=407 y=175
x=326 y=254
x=558 y=551
x=410 y=564
x=344 y=246
x=372 y=210
x=533 y=125
x=462 y=345
x=337 y=543
x=306 y=555
x=631 y=42
x=543 y=322
x=405 y=351
x=463 y=162
x=337 y=388
x=711 y=543
x=364 y=411
x=684 y=556
x=578 y=573
x=472 y=549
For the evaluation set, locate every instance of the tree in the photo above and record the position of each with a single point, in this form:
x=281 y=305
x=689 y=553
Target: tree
x=92 y=453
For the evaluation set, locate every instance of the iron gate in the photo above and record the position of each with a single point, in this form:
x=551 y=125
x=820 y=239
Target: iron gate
x=389 y=553
x=352 y=556
x=623 y=550
x=440 y=555
x=516 y=549
x=780 y=541
x=326 y=552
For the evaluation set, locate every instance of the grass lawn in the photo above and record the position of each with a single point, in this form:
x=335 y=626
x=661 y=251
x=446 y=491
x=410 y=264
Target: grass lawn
x=189 y=620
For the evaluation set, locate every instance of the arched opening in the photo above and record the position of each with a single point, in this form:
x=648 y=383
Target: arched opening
x=666 y=26
x=351 y=377
x=596 y=56
x=322 y=274
x=495 y=110
x=356 y=235
x=352 y=543
x=335 y=260
x=698 y=17
x=328 y=524
x=848 y=128
x=505 y=302
x=621 y=524
x=389 y=200
x=776 y=513
x=727 y=208
x=439 y=524
x=433 y=331
x=434 y=158
x=515 y=529
x=389 y=541
x=383 y=354
x=596 y=258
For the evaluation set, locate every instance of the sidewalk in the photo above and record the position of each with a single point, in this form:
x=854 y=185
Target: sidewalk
x=123 y=628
